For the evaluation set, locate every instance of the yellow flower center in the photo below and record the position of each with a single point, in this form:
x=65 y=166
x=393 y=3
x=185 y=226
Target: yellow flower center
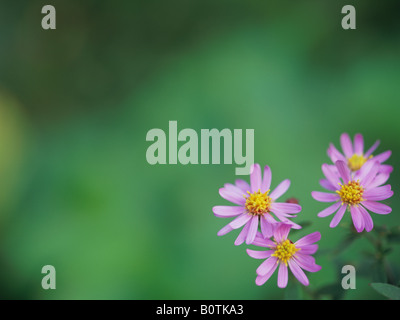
x=351 y=193
x=257 y=203
x=285 y=250
x=356 y=161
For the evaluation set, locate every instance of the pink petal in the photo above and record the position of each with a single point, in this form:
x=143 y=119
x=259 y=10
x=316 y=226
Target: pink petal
x=377 y=207
x=344 y=171
x=281 y=232
x=225 y=230
x=346 y=144
x=369 y=224
x=227 y=211
x=364 y=171
x=260 y=241
x=308 y=239
x=260 y=280
x=357 y=218
x=252 y=230
x=242 y=235
x=338 y=216
x=378 y=194
x=370 y=176
x=291 y=223
x=330 y=174
x=307 y=262
x=242 y=185
x=358 y=144
x=380 y=179
x=232 y=196
x=267 y=226
x=325 y=197
x=309 y=249
x=286 y=207
x=328 y=211
x=259 y=254
x=372 y=149
x=327 y=185
x=385 y=168
x=255 y=178
x=282 y=276
x=382 y=157
x=280 y=189
x=334 y=154
x=298 y=273
x=380 y=197
x=234 y=189
x=267 y=266
x=266 y=181
x=280 y=214
x=240 y=221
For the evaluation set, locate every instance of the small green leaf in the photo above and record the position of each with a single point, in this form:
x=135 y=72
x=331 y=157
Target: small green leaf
x=387 y=290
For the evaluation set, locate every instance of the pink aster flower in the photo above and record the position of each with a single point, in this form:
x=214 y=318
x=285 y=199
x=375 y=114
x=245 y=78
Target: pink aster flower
x=255 y=206
x=287 y=255
x=355 y=157
x=356 y=194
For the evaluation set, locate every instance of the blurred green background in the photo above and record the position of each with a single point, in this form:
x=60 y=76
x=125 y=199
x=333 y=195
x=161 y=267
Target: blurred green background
x=77 y=102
